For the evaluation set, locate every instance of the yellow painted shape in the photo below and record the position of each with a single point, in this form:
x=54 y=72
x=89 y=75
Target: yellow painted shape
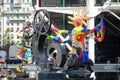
x=77 y=31
x=18 y=69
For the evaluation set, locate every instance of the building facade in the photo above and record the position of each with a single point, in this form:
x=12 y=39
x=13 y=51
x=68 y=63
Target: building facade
x=14 y=15
x=1 y=4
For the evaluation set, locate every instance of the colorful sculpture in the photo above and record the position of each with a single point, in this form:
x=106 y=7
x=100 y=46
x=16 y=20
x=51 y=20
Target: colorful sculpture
x=79 y=35
x=26 y=34
x=24 y=53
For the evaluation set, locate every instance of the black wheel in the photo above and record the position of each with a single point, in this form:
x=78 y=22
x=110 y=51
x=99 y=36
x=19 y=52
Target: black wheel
x=57 y=53
x=41 y=23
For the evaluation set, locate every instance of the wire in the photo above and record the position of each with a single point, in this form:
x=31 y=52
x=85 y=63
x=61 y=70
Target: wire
x=112 y=32
x=112 y=24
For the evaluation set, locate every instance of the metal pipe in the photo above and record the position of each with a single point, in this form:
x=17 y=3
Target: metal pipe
x=63 y=15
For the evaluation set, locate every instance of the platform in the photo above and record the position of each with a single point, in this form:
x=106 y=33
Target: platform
x=96 y=67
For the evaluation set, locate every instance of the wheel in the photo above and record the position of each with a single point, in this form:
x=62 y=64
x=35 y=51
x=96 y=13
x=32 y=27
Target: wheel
x=41 y=23
x=57 y=54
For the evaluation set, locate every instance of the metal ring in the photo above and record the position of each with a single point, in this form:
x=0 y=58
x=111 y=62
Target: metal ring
x=41 y=23
x=56 y=52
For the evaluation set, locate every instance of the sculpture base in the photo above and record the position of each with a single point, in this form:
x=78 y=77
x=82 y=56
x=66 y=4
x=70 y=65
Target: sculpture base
x=51 y=76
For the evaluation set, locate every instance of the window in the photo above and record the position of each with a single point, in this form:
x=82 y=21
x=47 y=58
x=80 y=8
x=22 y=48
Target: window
x=75 y=2
x=8 y=42
x=7 y=1
x=0 y=36
x=17 y=29
x=12 y=29
x=28 y=1
x=17 y=10
x=23 y=16
x=8 y=9
x=12 y=42
x=8 y=23
x=27 y=16
x=50 y=3
x=17 y=16
x=27 y=9
x=23 y=9
x=17 y=37
x=12 y=36
x=12 y=16
x=23 y=24
x=7 y=17
x=0 y=27
x=11 y=23
x=114 y=0
x=8 y=36
x=17 y=23
x=23 y=1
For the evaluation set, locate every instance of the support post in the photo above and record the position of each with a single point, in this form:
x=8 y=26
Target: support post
x=90 y=8
x=91 y=46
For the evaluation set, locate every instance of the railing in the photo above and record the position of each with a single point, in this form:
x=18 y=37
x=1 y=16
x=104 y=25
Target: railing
x=59 y=3
x=17 y=12
x=71 y=3
x=17 y=5
x=51 y=3
x=101 y=2
x=118 y=1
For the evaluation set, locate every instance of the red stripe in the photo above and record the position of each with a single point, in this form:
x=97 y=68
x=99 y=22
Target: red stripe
x=53 y=28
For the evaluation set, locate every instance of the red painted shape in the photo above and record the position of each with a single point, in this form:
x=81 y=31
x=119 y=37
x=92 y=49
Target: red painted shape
x=78 y=21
